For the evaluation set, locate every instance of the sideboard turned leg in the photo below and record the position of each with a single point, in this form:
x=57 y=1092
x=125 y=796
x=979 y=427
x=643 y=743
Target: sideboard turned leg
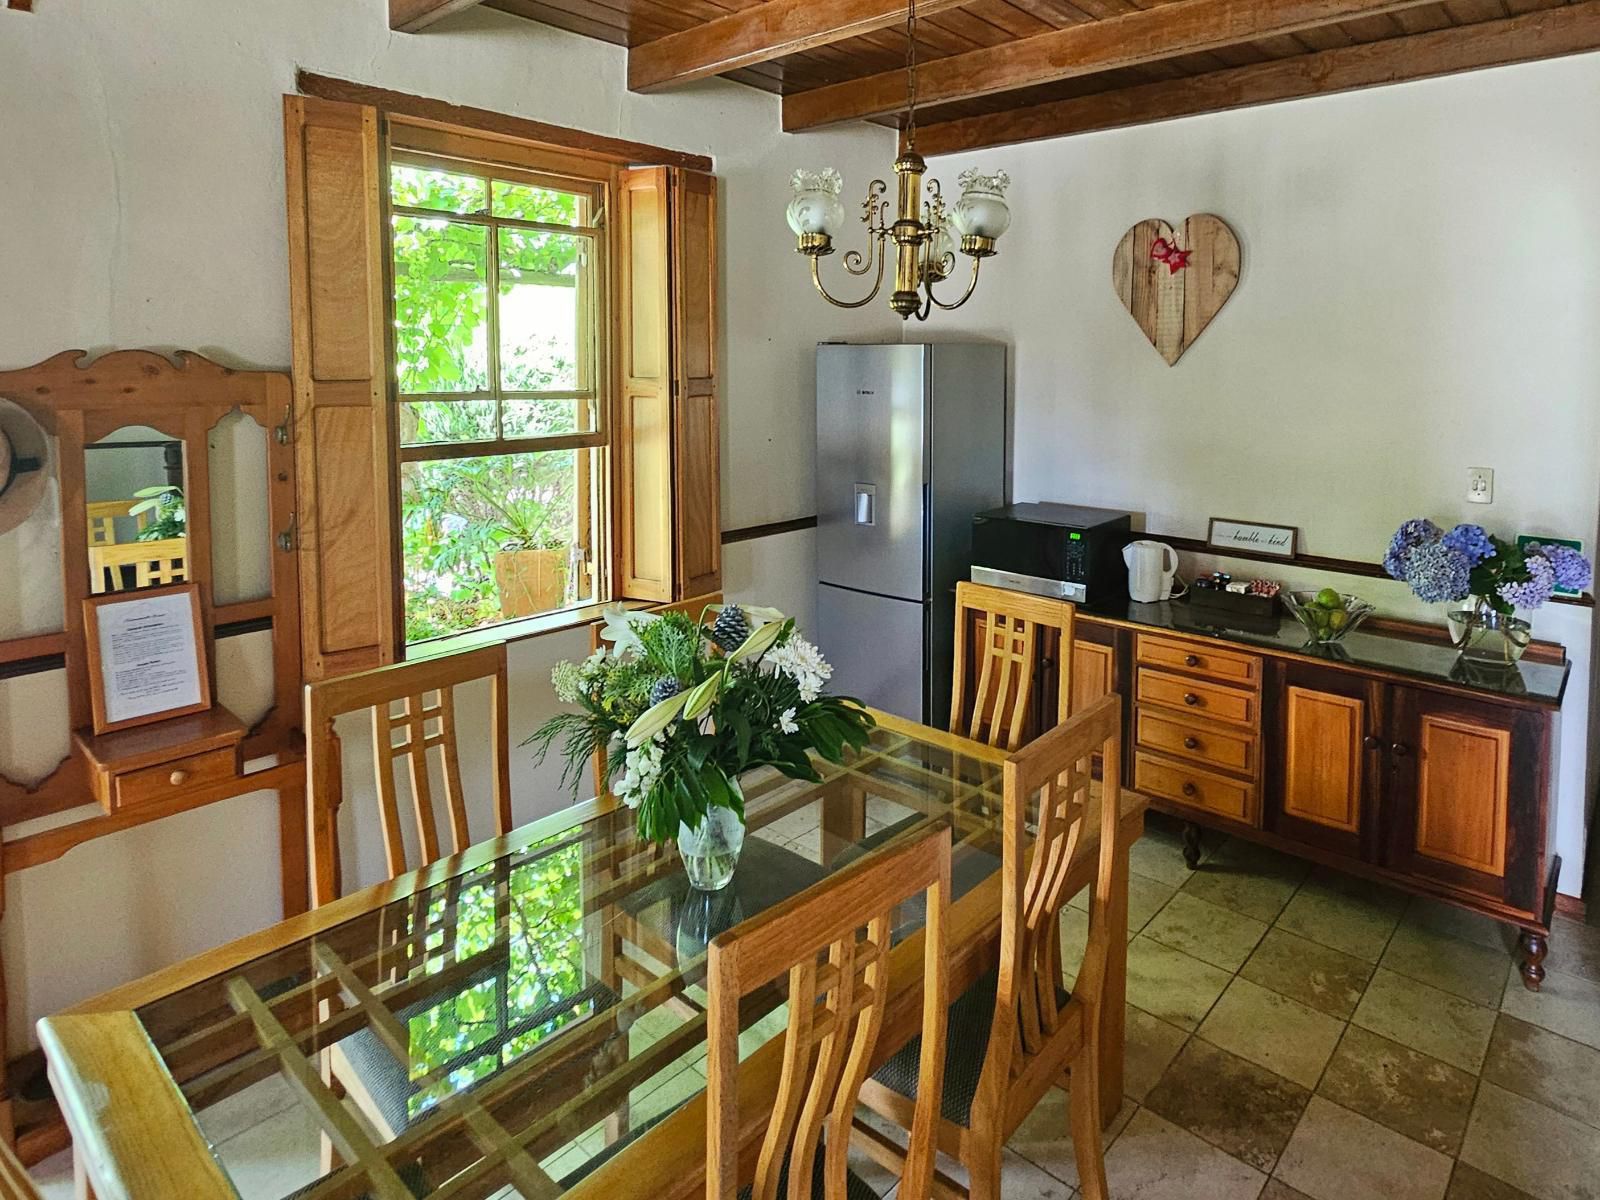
x=1534 y=946
x=1191 y=845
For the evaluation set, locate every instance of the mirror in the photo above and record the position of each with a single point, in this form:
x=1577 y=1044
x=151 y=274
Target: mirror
x=136 y=512
x=241 y=533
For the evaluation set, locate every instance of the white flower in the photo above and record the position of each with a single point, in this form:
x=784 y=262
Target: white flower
x=622 y=628
x=567 y=679
x=590 y=667
x=802 y=662
x=640 y=770
x=786 y=722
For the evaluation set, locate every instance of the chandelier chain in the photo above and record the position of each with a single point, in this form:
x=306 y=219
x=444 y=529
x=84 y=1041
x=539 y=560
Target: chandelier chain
x=911 y=74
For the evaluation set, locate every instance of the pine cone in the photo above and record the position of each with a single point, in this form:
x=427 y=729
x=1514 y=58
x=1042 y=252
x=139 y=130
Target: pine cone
x=731 y=628
x=664 y=689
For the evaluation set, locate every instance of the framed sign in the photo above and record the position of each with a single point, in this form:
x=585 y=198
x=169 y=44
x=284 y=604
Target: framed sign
x=146 y=653
x=1523 y=539
x=1279 y=541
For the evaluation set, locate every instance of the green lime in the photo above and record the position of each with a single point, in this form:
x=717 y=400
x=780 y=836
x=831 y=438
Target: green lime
x=1329 y=598
x=1338 y=619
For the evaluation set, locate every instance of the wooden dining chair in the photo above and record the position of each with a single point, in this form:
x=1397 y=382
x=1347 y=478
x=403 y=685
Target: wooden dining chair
x=1016 y=1033
x=836 y=1011
x=14 y=1181
x=992 y=695
x=701 y=608
x=413 y=713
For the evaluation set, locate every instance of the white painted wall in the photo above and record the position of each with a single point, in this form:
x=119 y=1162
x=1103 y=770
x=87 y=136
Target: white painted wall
x=142 y=151
x=1420 y=292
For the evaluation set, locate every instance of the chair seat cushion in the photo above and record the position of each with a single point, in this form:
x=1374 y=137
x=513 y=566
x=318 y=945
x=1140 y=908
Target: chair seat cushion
x=855 y=1187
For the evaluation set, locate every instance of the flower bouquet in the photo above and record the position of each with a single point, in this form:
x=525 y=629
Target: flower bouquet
x=686 y=709
x=1498 y=576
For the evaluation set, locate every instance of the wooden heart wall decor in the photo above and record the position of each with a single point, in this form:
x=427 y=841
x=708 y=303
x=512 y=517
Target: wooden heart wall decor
x=1174 y=283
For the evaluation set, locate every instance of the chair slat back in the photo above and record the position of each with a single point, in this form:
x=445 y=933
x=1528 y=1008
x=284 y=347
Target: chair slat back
x=413 y=715
x=696 y=607
x=992 y=698
x=1050 y=781
x=836 y=1007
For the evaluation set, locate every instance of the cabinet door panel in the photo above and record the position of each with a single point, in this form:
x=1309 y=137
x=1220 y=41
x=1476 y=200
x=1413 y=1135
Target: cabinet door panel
x=1462 y=793
x=1093 y=673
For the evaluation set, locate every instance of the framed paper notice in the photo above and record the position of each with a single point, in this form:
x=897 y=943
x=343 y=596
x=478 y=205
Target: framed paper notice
x=1278 y=541
x=146 y=656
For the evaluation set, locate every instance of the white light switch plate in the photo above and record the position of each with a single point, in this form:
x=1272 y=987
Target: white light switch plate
x=1480 y=485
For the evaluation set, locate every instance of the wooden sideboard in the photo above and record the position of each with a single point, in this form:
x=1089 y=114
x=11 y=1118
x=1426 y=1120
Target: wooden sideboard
x=1384 y=756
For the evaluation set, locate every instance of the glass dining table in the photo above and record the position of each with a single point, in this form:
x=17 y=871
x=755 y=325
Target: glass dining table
x=524 y=1019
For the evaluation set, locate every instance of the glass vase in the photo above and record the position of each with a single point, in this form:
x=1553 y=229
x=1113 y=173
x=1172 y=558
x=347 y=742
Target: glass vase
x=710 y=852
x=1485 y=636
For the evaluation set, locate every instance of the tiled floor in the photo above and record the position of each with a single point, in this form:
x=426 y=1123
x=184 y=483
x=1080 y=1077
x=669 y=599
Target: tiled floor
x=1295 y=1033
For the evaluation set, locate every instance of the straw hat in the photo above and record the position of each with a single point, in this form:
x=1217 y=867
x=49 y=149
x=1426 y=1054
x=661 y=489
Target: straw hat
x=23 y=454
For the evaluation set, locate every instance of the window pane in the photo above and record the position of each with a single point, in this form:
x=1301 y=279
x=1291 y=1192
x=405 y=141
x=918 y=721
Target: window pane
x=494 y=538
x=527 y=203
x=545 y=418
x=544 y=303
x=431 y=422
x=420 y=187
x=441 y=305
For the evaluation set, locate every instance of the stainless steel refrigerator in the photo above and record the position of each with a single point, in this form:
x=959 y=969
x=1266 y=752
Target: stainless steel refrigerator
x=911 y=442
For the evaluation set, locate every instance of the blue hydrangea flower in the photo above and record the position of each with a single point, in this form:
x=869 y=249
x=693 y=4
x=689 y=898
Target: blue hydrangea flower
x=1572 y=569
x=1537 y=590
x=1436 y=572
x=1419 y=531
x=1471 y=541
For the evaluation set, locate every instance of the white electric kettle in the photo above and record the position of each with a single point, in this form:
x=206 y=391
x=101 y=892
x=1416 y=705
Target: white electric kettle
x=1151 y=566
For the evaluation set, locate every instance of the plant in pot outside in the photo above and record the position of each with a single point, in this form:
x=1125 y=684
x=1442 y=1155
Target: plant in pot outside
x=686 y=710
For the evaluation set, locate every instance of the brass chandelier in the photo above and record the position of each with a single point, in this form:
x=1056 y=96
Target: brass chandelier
x=924 y=231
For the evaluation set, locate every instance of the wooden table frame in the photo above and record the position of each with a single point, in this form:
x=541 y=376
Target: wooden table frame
x=102 y=1045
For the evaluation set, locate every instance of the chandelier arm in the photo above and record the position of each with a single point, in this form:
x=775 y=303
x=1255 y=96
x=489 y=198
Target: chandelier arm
x=972 y=286
x=877 y=283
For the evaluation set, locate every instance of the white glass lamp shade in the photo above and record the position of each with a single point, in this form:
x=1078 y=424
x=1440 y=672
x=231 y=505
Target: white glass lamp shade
x=982 y=210
x=816 y=207
x=942 y=248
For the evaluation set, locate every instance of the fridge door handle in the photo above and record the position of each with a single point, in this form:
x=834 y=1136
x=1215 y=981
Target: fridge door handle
x=866 y=504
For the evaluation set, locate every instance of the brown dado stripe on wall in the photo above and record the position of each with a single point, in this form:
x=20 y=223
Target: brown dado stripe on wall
x=1313 y=562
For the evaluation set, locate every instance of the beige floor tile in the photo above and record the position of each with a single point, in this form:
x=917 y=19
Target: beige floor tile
x=1169 y=984
x=1153 y=1159
x=1426 y=1019
x=1233 y=1104
x=244 y=1109
x=1328 y=912
x=276 y=1157
x=1146 y=897
x=1158 y=855
x=1248 y=878
x=1469 y=1183
x=1043 y=1139
x=1284 y=1036
x=1531 y=1147
x=1439 y=917
x=1546 y=1067
x=1575 y=949
x=1277 y=1189
x=1473 y=972
x=1336 y=1154
x=1314 y=974
x=1564 y=1004
x=1019 y=1178
x=1214 y=934
x=1150 y=1045
x=1427 y=1100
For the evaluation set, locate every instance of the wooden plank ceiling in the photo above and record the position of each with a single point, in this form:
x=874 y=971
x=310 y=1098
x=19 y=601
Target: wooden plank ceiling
x=1001 y=71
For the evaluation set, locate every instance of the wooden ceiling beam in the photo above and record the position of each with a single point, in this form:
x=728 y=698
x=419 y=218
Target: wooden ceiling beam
x=1536 y=35
x=1129 y=40
x=761 y=34
x=413 y=16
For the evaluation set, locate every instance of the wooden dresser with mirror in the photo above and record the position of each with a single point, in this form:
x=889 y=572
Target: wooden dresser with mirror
x=159 y=485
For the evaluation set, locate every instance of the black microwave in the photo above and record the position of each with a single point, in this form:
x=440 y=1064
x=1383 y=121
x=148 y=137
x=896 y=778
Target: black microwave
x=1065 y=551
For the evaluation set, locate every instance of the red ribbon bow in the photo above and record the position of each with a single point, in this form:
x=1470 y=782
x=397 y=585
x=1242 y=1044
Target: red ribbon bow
x=1168 y=252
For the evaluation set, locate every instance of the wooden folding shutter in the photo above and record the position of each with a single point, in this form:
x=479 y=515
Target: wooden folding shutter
x=643 y=435
x=344 y=445
x=696 y=432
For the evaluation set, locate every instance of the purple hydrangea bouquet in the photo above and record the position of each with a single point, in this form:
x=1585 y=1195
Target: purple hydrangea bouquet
x=1498 y=577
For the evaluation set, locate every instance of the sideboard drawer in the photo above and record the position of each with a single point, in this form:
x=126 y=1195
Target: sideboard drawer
x=1198 y=741
x=1225 y=666
x=1197 y=696
x=139 y=787
x=1194 y=787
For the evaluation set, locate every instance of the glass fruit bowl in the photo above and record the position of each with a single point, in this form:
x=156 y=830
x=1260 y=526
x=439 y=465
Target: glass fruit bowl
x=1327 y=615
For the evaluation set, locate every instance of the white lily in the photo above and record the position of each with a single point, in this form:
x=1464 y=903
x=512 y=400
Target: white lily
x=758 y=643
x=655 y=718
x=701 y=696
x=762 y=616
x=622 y=627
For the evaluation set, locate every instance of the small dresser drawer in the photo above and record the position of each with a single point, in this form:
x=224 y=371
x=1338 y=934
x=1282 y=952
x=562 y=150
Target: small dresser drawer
x=1196 y=741
x=140 y=787
x=1194 y=787
x=1225 y=666
x=1197 y=696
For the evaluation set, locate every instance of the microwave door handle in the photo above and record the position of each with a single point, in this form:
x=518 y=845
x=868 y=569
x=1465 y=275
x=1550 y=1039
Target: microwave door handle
x=866 y=506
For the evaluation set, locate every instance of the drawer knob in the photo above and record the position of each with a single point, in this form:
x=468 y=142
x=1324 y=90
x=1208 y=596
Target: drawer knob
x=1189 y=789
x=178 y=778
x=1192 y=660
x=1400 y=749
x=1372 y=742
x=1191 y=742
x=1191 y=699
